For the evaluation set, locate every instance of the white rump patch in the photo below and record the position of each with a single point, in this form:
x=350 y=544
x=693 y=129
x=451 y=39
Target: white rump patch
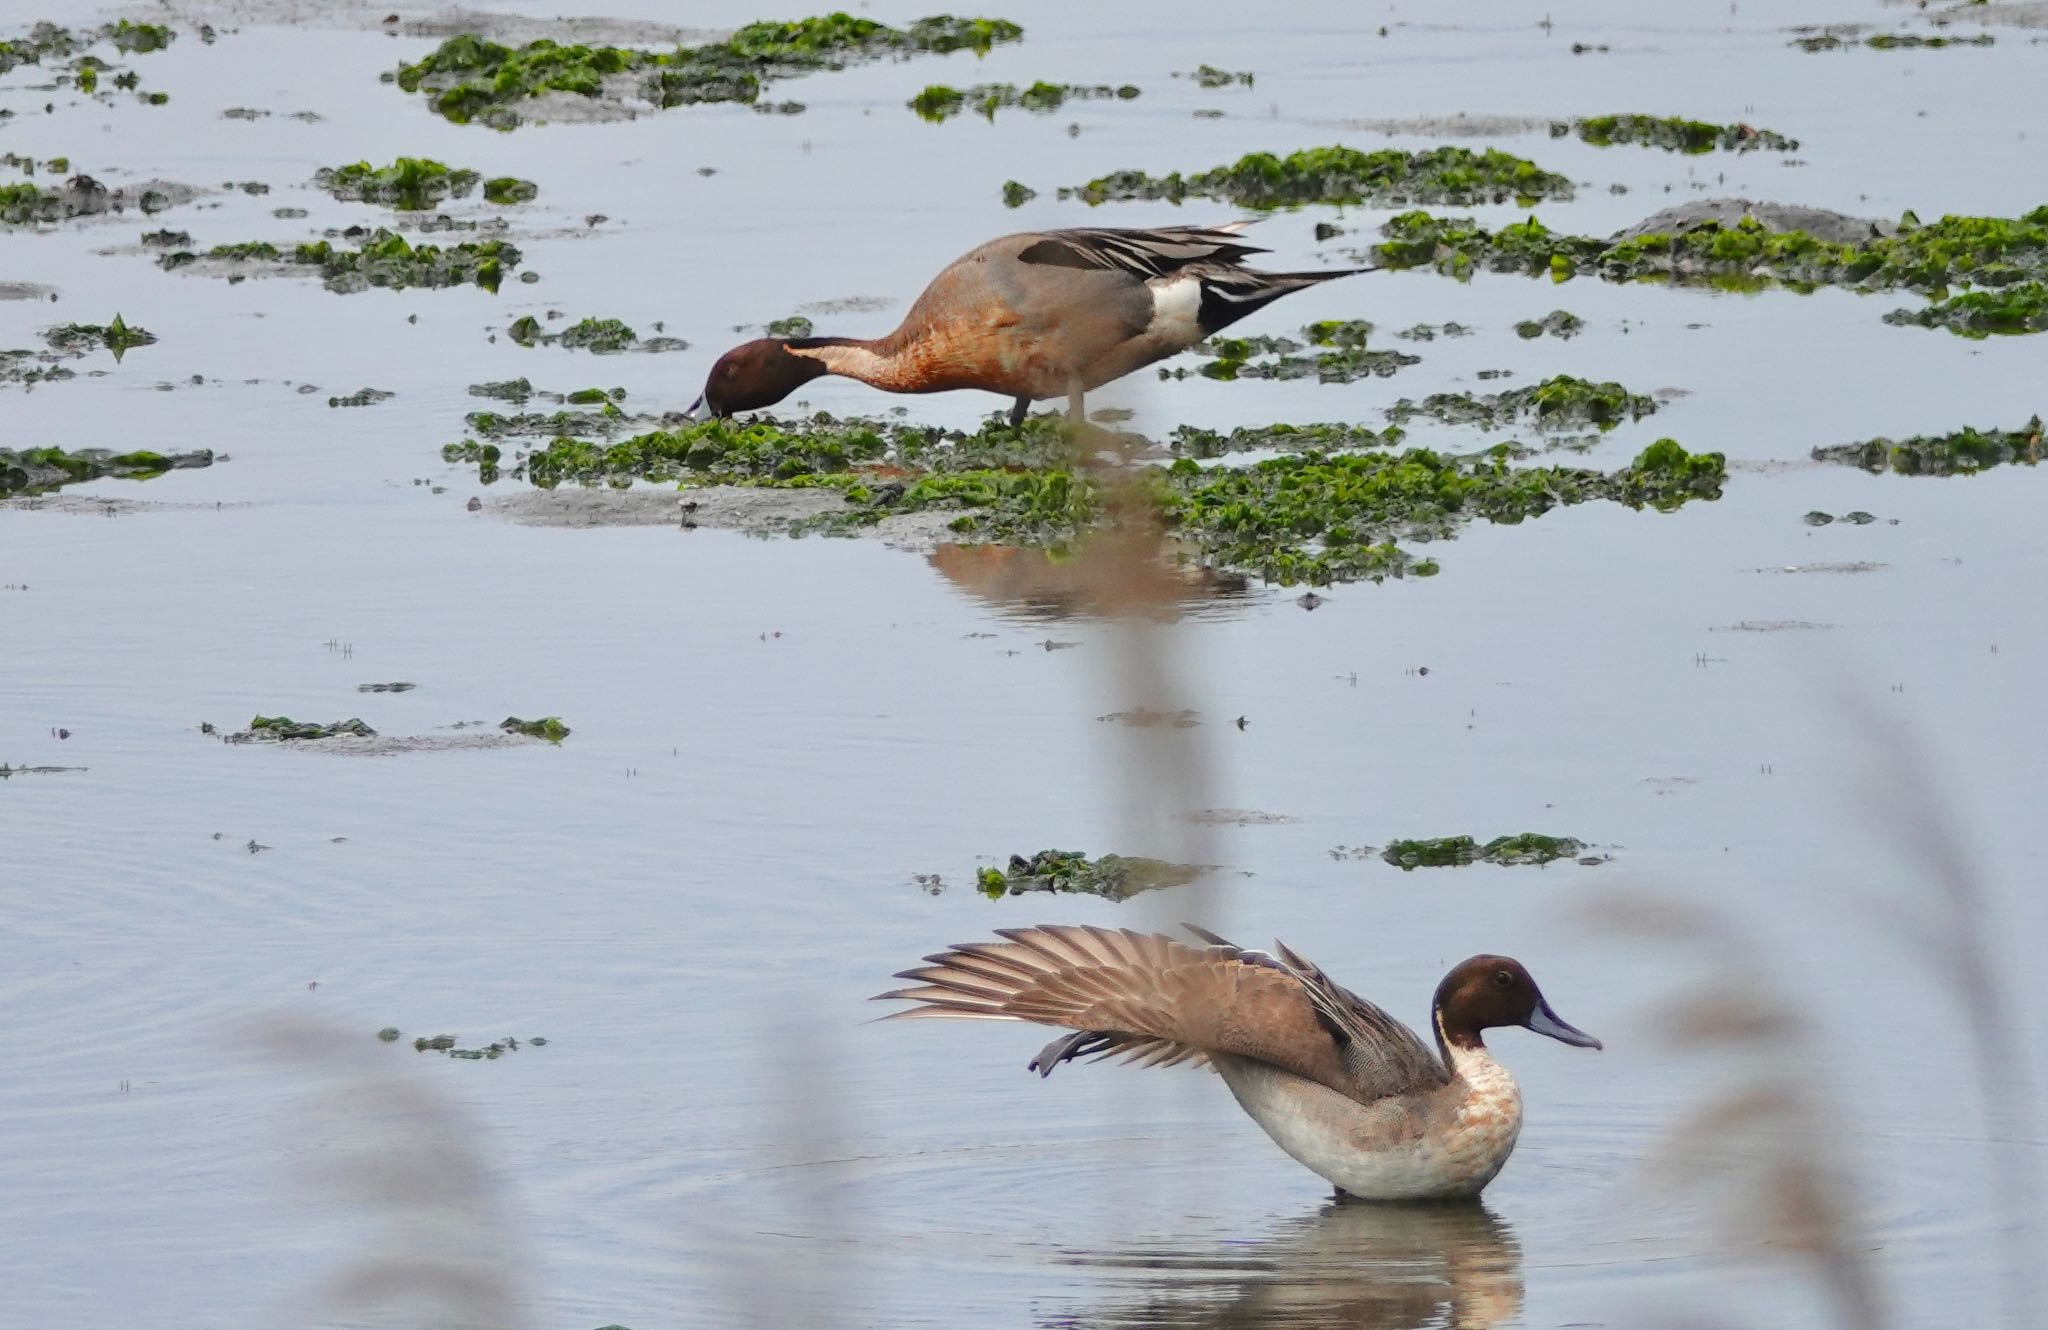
x=1177 y=312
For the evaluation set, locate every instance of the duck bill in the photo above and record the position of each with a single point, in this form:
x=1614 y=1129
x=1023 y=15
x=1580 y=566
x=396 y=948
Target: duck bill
x=695 y=407
x=1545 y=1021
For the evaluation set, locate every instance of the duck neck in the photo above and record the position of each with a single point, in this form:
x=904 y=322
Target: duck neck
x=872 y=362
x=1464 y=1051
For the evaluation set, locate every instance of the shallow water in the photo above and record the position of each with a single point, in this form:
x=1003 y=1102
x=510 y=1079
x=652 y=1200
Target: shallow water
x=692 y=896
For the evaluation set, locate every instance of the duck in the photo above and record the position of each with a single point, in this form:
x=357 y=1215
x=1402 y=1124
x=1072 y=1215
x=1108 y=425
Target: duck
x=1341 y=1086
x=1035 y=315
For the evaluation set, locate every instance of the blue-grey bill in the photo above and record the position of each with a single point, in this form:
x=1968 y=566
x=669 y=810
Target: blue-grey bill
x=695 y=407
x=1545 y=1021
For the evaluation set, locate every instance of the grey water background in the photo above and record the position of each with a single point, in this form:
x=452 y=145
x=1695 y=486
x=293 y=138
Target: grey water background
x=692 y=897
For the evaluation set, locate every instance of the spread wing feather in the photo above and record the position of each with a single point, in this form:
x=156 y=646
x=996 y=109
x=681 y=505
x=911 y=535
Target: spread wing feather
x=1154 y=1001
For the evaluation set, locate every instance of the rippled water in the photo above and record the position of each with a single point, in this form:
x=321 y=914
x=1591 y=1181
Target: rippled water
x=691 y=898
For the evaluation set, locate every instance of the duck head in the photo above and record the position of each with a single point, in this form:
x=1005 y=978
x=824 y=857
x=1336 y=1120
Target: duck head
x=756 y=374
x=1487 y=992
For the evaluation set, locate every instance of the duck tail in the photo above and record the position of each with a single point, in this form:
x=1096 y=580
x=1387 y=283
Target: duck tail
x=1230 y=295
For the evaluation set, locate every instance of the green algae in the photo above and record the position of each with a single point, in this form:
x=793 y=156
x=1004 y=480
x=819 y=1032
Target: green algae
x=383 y=258
x=446 y=1043
x=41 y=470
x=1429 y=332
x=549 y=728
x=1672 y=134
x=1319 y=518
x=469 y=78
x=796 y=325
x=506 y=190
x=1193 y=441
x=1113 y=876
x=1387 y=176
x=1889 y=41
x=1964 y=452
x=1563 y=401
x=2016 y=309
x=1209 y=76
x=1311 y=517
x=409 y=183
x=600 y=336
x=284 y=727
x=118 y=337
x=1748 y=255
x=1559 y=323
x=939 y=102
x=1455 y=851
x=362 y=397
x=1331 y=351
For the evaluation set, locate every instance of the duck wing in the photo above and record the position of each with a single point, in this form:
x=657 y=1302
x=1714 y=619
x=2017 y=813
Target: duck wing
x=1142 y=254
x=1156 y=1001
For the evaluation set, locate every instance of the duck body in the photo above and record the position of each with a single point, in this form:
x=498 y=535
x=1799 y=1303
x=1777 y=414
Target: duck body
x=1039 y=314
x=1437 y=1145
x=1342 y=1087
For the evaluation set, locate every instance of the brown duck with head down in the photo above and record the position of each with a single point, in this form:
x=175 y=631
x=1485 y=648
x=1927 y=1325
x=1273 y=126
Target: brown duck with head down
x=1040 y=314
x=1339 y=1084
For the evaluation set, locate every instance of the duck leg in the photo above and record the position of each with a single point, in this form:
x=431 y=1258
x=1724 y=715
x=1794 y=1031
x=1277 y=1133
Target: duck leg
x=1023 y=404
x=1075 y=417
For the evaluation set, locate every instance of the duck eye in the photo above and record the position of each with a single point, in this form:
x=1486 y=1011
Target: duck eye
x=1502 y=979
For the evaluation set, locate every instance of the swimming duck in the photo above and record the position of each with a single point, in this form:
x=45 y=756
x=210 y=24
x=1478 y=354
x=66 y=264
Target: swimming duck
x=1340 y=1085
x=1040 y=314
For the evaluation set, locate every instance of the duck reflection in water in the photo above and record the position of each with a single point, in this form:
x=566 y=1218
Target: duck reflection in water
x=1352 y=1265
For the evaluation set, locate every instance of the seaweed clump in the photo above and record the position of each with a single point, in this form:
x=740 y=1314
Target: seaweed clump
x=549 y=728
x=1559 y=323
x=1455 y=851
x=1563 y=401
x=1672 y=133
x=1963 y=452
x=2019 y=308
x=1309 y=517
x=118 y=337
x=278 y=728
x=1114 y=876
x=1319 y=518
x=1745 y=255
x=1888 y=41
x=598 y=336
x=40 y=470
x=1332 y=351
x=1386 y=176
x=469 y=78
x=415 y=183
x=381 y=258
x=939 y=103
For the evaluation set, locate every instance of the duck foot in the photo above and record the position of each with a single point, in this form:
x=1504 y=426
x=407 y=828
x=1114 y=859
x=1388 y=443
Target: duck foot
x=1023 y=404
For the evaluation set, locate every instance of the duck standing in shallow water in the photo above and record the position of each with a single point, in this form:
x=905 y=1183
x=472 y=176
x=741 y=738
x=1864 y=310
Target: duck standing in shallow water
x=1339 y=1084
x=1035 y=315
